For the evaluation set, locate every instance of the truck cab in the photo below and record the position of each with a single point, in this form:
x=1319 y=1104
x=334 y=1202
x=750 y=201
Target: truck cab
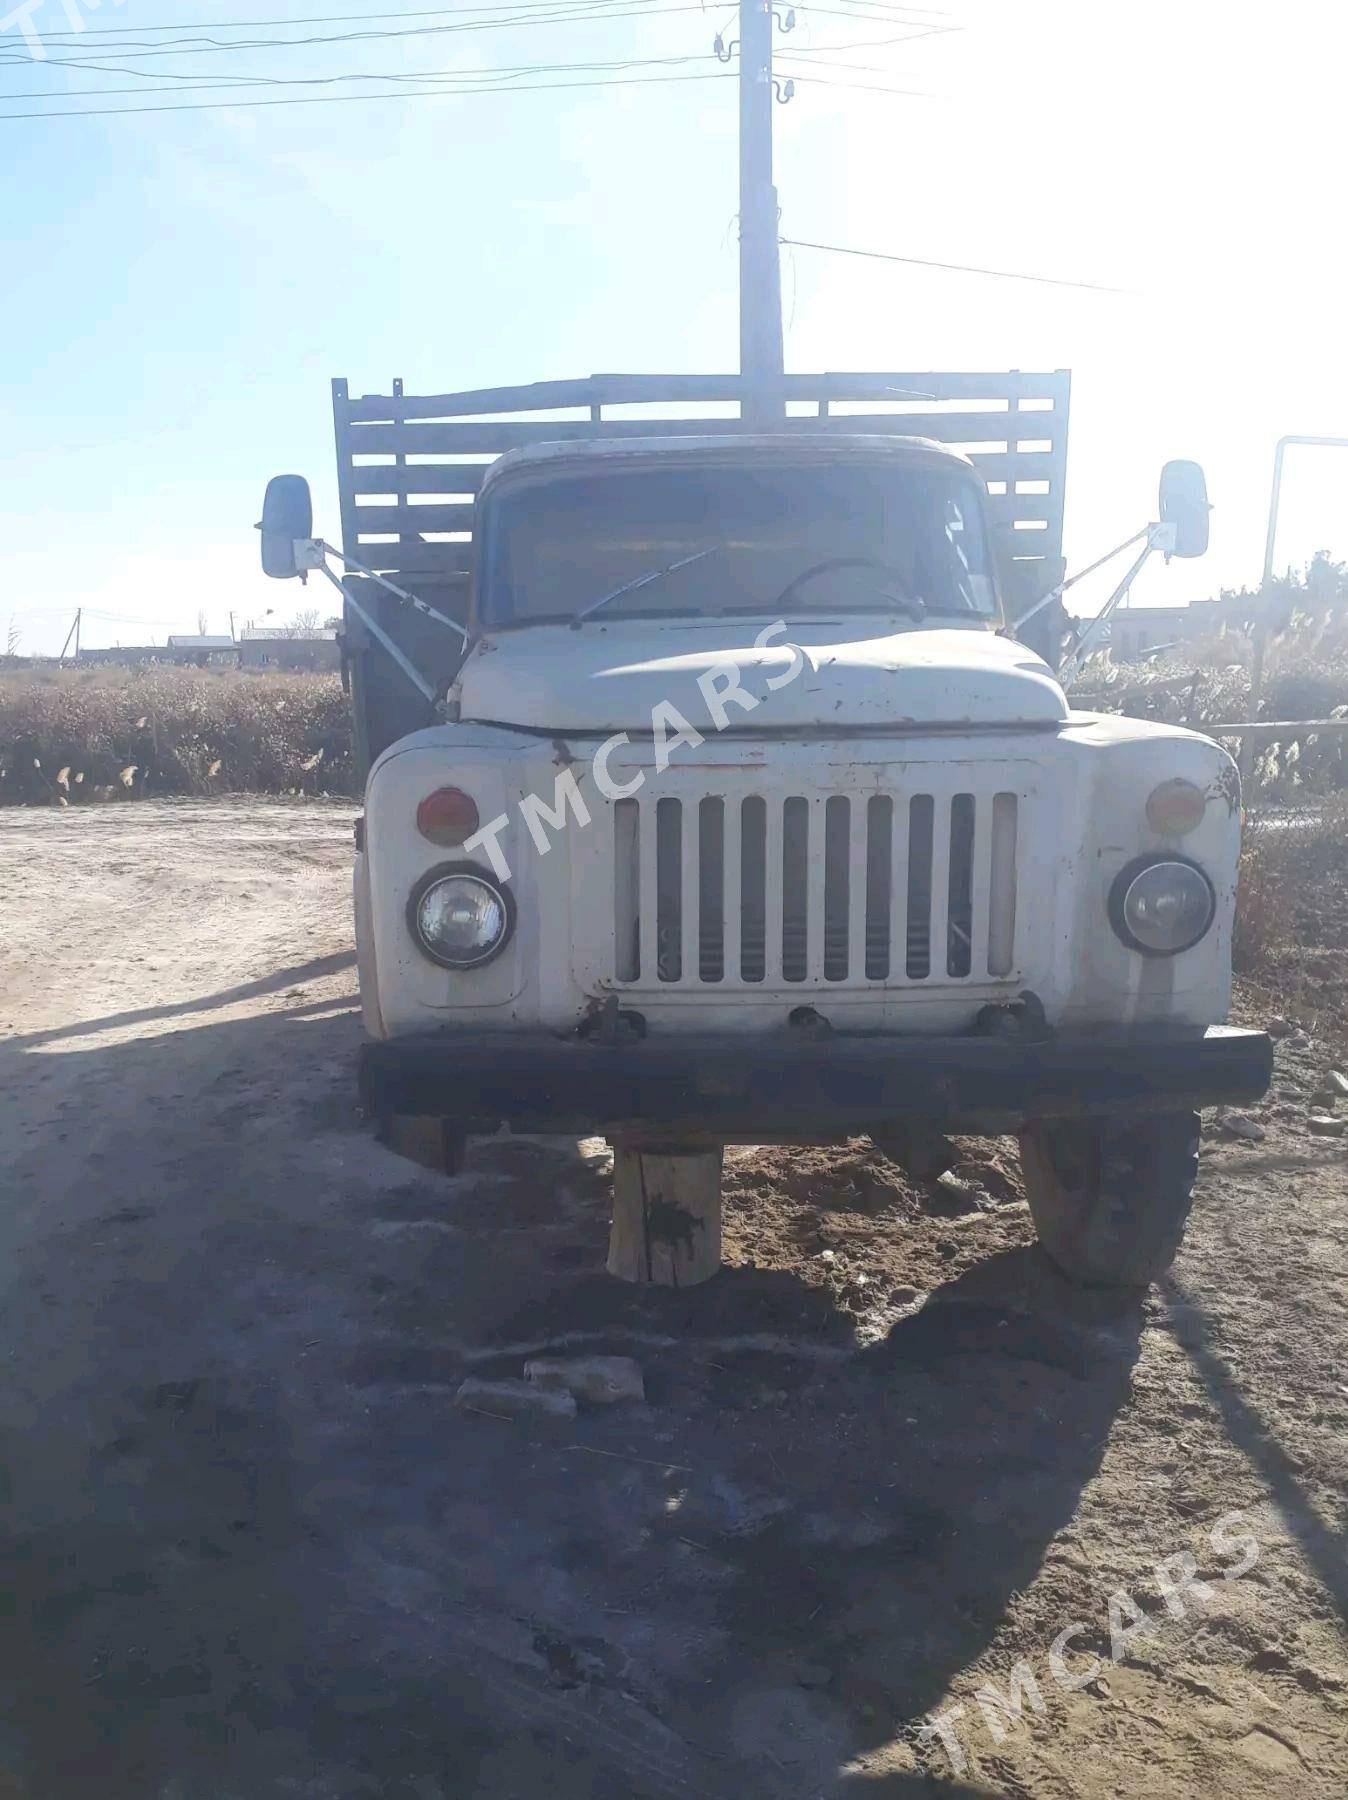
x=743 y=817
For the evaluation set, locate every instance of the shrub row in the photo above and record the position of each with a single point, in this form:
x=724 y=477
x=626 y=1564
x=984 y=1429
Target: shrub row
x=72 y=736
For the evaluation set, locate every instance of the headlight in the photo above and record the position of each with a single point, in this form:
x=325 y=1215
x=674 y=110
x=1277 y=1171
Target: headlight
x=461 y=917
x=1161 y=905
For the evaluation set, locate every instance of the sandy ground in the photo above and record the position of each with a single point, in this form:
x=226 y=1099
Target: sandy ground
x=250 y=1549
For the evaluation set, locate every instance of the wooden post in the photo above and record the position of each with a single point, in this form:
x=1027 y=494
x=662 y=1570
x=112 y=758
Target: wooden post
x=423 y=1138
x=666 y=1216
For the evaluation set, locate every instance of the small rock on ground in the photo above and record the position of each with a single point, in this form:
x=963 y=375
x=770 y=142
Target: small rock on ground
x=951 y=1195
x=602 y=1380
x=1241 y=1125
x=1322 y=1125
x=510 y=1399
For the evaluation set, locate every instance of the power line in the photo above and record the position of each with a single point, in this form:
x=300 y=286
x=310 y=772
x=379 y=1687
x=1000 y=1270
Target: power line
x=90 y=612
x=475 y=6
x=864 y=87
x=528 y=12
x=412 y=78
x=861 y=87
x=560 y=12
x=922 y=262
x=442 y=92
x=910 y=37
x=430 y=93
x=524 y=12
x=865 y=9
x=437 y=12
x=428 y=75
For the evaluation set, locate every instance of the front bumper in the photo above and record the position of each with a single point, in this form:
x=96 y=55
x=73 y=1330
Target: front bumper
x=793 y=1087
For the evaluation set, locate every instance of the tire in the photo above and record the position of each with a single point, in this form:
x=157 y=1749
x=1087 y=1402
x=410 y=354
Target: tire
x=1110 y=1201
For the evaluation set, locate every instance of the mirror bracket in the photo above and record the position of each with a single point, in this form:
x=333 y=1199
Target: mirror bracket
x=309 y=554
x=1163 y=537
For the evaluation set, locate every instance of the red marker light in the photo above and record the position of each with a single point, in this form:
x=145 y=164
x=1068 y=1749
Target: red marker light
x=447 y=816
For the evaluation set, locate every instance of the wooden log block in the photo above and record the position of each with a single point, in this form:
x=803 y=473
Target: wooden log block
x=666 y=1216
x=421 y=1138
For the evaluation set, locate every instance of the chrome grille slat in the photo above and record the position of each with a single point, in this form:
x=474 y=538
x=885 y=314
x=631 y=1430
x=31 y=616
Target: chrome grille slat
x=938 y=915
x=711 y=876
x=959 y=910
x=753 y=926
x=981 y=924
x=898 y=889
x=626 y=890
x=773 y=908
x=646 y=891
x=921 y=855
x=690 y=902
x=830 y=886
x=730 y=896
x=859 y=859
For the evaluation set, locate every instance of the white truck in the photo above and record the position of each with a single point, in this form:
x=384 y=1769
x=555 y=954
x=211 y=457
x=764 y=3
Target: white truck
x=711 y=799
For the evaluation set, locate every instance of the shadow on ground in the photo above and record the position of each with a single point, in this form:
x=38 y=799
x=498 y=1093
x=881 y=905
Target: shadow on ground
x=251 y=1548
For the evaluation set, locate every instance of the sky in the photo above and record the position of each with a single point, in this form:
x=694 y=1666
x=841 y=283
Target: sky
x=180 y=286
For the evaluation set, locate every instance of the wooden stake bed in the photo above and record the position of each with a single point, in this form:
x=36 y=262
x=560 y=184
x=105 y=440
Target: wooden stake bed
x=413 y=520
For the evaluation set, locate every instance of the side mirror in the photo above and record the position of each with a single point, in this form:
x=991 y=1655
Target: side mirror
x=1184 y=504
x=287 y=514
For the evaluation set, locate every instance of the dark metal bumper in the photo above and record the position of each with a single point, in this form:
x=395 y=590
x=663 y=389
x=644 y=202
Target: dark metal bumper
x=765 y=1089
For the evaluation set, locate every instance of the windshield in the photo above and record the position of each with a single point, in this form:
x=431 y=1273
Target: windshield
x=867 y=537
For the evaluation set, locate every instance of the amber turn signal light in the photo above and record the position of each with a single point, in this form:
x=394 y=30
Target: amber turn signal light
x=447 y=816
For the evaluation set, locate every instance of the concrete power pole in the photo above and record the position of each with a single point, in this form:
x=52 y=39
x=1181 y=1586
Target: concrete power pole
x=761 y=354
x=74 y=632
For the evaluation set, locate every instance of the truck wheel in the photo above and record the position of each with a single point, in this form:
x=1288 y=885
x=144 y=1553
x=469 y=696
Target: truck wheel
x=423 y=1138
x=1110 y=1201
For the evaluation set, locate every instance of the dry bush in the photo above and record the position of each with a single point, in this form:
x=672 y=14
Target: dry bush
x=1292 y=897
x=1291 y=947
x=1208 y=682
x=1261 y=923
x=69 y=736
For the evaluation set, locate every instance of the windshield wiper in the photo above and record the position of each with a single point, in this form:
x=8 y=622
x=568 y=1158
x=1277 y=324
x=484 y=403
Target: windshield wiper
x=638 y=581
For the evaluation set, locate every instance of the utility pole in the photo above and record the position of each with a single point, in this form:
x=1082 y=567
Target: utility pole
x=1259 y=648
x=74 y=632
x=761 y=354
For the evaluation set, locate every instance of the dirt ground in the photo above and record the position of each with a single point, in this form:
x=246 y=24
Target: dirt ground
x=251 y=1550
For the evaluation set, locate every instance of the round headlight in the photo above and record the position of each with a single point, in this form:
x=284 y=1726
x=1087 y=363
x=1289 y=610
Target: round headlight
x=460 y=917
x=1161 y=905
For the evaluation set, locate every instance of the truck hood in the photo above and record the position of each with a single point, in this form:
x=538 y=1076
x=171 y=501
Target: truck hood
x=612 y=677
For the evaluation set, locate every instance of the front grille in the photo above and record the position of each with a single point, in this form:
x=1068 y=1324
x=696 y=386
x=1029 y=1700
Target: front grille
x=820 y=889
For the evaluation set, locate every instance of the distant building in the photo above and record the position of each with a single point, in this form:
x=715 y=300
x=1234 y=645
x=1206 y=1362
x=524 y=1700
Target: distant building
x=200 y=649
x=1136 y=631
x=289 y=647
